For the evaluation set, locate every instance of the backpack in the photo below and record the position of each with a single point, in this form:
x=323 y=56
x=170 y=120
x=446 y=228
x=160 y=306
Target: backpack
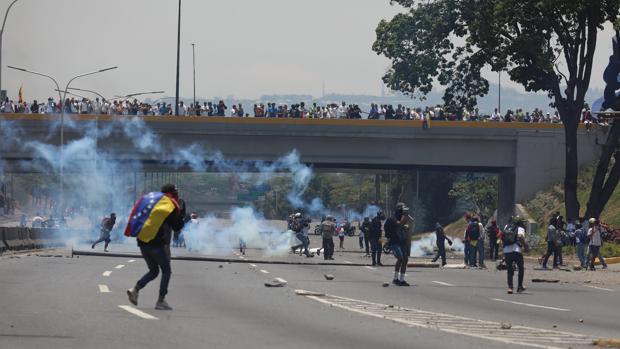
x=474 y=231
x=509 y=237
x=391 y=230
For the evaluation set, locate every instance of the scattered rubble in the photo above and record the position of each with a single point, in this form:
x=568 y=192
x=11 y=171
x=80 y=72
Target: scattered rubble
x=328 y=277
x=277 y=282
x=309 y=293
x=386 y=284
x=506 y=325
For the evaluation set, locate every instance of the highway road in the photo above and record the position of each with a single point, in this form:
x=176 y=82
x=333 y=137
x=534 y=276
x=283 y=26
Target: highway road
x=80 y=302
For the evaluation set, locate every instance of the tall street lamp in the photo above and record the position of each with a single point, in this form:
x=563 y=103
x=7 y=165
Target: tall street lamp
x=176 y=107
x=1 y=34
x=194 y=65
x=62 y=120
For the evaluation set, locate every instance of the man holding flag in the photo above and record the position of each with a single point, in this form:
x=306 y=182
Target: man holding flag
x=152 y=221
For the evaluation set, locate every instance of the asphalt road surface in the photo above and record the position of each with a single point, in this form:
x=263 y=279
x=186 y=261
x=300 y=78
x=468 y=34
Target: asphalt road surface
x=63 y=302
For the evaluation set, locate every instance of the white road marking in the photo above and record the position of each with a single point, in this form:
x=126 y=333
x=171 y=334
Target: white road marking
x=281 y=280
x=600 y=288
x=252 y=265
x=443 y=283
x=530 y=305
x=107 y=273
x=104 y=289
x=348 y=262
x=241 y=257
x=371 y=268
x=264 y=271
x=119 y=266
x=131 y=261
x=137 y=312
x=457 y=325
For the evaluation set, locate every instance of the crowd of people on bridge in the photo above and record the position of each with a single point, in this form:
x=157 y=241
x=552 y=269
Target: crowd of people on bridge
x=300 y=110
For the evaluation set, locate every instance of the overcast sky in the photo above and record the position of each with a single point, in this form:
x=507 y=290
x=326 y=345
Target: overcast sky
x=245 y=48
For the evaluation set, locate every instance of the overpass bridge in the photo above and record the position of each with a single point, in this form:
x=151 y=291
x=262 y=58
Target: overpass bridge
x=526 y=157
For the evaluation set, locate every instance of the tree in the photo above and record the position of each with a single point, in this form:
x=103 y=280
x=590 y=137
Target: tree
x=480 y=193
x=544 y=45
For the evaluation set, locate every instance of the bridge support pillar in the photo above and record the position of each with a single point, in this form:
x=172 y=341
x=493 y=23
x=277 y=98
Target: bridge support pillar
x=506 y=196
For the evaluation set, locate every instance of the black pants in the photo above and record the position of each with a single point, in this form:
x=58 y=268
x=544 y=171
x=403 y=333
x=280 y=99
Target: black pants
x=328 y=248
x=551 y=248
x=367 y=245
x=376 y=247
x=511 y=259
x=441 y=253
x=493 y=249
x=156 y=258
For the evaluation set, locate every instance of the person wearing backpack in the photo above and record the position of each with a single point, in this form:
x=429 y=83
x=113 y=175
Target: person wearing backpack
x=513 y=240
x=581 y=239
x=472 y=235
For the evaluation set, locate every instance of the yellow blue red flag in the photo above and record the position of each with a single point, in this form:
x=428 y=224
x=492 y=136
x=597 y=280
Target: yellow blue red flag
x=148 y=215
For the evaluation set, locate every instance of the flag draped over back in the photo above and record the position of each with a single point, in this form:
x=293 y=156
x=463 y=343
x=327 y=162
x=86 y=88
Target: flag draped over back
x=148 y=215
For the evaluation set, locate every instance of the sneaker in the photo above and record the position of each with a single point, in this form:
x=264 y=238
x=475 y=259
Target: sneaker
x=604 y=267
x=162 y=305
x=396 y=282
x=374 y=264
x=540 y=260
x=403 y=283
x=521 y=289
x=132 y=294
x=92 y=246
x=106 y=250
x=509 y=291
x=380 y=264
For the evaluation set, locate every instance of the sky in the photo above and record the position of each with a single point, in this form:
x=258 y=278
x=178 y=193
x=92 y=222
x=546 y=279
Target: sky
x=244 y=48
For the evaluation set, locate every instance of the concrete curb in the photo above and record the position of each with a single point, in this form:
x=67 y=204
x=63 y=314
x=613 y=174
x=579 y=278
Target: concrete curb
x=610 y=260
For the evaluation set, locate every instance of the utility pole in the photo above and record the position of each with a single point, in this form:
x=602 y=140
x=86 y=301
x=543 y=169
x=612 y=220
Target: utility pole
x=6 y=14
x=499 y=95
x=176 y=106
x=194 y=65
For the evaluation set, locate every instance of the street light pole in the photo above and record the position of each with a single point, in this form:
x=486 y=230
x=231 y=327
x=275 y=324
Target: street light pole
x=62 y=121
x=1 y=35
x=194 y=65
x=176 y=107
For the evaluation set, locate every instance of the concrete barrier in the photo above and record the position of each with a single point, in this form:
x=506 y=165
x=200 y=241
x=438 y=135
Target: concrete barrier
x=3 y=247
x=12 y=239
x=24 y=236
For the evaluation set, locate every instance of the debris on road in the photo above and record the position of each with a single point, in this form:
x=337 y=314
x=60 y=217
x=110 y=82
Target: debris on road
x=221 y=266
x=328 y=277
x=277 y=282
x=386 y=284
x=607 y=343
x=423 y=265
x=581 y=320
x=577 y=268
x=551 y=281
x=506 y=325
x=454 y=266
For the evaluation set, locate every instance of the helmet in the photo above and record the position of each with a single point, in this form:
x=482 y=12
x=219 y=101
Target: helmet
x=401 y=207
x=330 y=218
x=592 y=220
x=297 y=214
x=518 y=220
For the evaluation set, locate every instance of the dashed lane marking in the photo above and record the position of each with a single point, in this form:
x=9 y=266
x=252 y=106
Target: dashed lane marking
x=252 y=265
x=371 y=268
x=137 y=312
x=600 y=288
x=241 y=257
x=348 y=262
x=530 y=305
x=264 y=271
x=443 y=283
x=281 y=280
x=120 y=266
x=104 y=289
x=131 y=261
x=107 y=273
x=458 y=325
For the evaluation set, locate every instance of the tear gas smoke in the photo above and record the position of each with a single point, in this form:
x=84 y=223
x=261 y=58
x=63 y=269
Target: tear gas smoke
x=427 y=244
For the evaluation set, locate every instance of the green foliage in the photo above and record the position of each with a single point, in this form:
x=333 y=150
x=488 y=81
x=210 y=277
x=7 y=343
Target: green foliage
x=479 y=193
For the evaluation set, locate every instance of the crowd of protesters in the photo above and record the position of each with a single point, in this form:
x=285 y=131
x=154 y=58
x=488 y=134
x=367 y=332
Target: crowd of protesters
x=274 y=110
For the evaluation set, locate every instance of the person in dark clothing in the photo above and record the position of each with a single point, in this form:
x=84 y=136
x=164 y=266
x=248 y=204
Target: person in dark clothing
x=552 y=244
x=374 y=235
x=107 y=224
x=364 y=228
x=492 y=231
x=398 y=231
x=441 y=244
x=156 y=252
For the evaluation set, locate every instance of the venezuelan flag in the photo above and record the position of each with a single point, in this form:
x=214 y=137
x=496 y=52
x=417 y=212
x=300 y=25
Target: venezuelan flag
x=426 y=123
x=148 y=215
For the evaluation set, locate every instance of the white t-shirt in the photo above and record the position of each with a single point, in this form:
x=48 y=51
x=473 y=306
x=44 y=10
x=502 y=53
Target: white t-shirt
x=515 y=247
